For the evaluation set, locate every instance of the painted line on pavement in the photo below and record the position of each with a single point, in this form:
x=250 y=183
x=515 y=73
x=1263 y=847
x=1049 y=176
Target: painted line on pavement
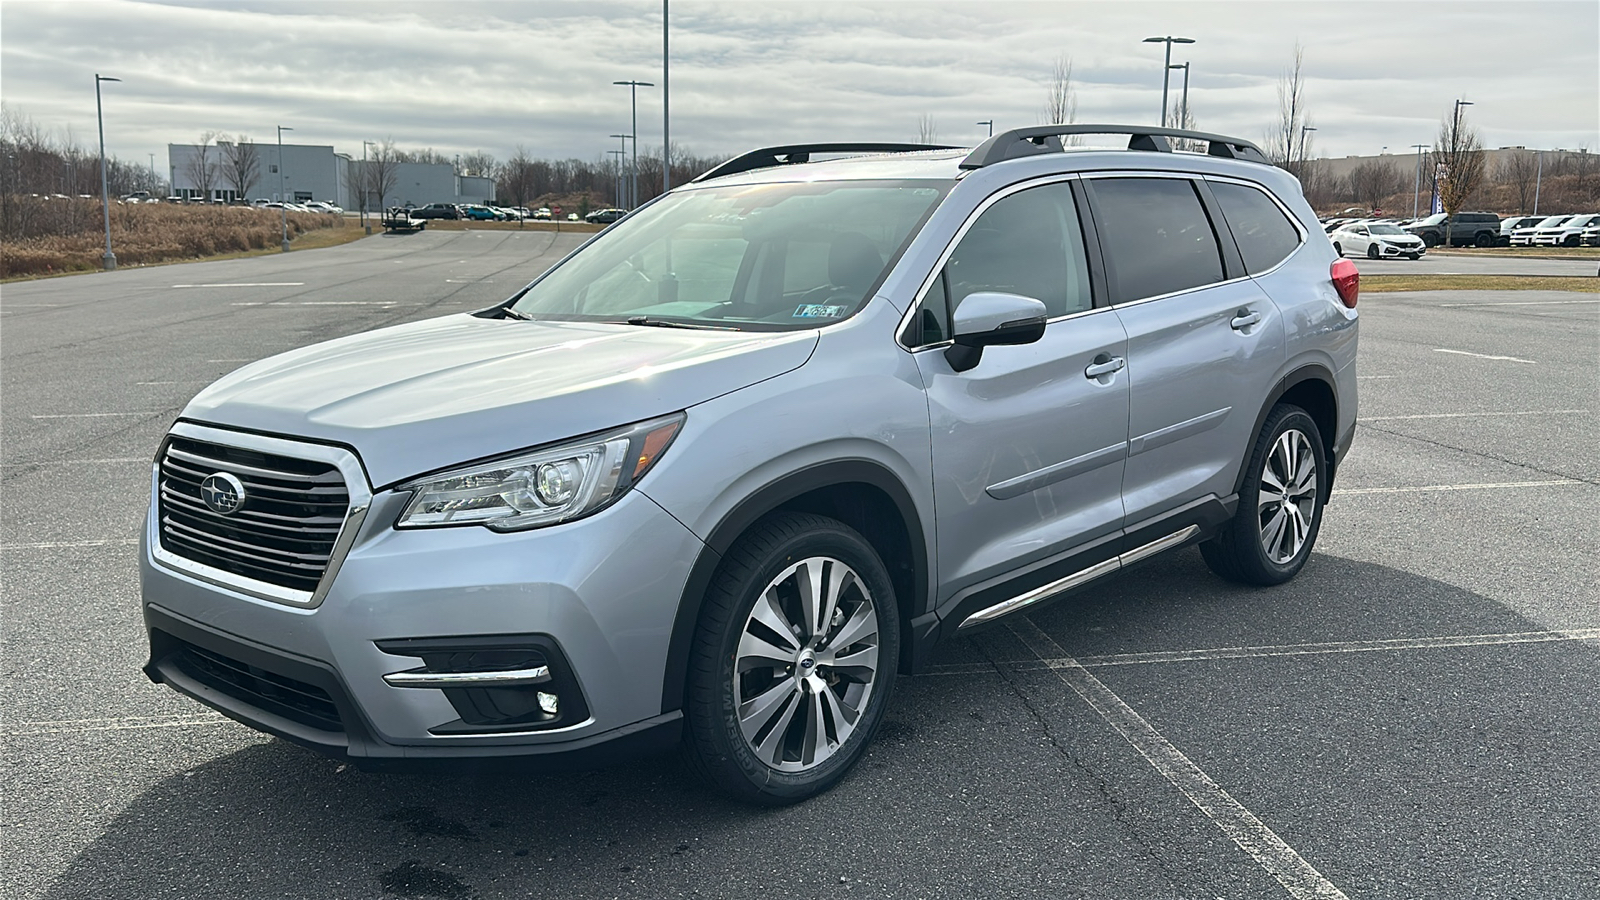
x=1341 y=492
x=1244 y=828
x=246 y=284
x=1477 y=415
x=1263 y=652
x=79 y=462
x=1482 y=355
x=1522 y=303
x=131 y=723
x=99 y=415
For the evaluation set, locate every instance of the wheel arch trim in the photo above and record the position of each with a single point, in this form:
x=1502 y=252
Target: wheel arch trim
x=1315 y=371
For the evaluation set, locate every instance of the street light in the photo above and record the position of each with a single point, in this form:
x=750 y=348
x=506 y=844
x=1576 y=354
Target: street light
x=365 y=178
x=110 y=259
x=1303 y=130
x=1169 y=40
x=988 y=122
x=1183 y=105
x=1416 y=183
x=622 y=157
x=633 y=89
x=666 y=114
x=283 y=192
x=616 y=182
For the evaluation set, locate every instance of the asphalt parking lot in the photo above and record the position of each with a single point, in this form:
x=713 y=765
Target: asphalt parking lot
x=1465 y=263
x=1414 y=717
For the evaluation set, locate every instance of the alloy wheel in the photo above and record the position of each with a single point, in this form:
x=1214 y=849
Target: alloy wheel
x=1287 y=500
x=806 y=664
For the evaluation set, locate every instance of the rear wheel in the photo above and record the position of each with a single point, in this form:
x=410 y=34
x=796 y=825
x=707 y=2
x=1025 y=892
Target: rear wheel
x=1484 y=239
x=1280 y=506
x=793 y=660
x=1338 y=249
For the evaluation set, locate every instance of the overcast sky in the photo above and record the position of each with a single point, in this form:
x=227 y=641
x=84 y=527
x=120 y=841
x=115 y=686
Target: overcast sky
x=488 y=75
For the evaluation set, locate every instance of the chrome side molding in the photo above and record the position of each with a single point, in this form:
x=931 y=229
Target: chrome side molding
x=1083 y=576
x=508 y=678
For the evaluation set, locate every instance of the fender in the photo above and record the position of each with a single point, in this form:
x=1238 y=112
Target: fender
x=1310 y=372
x=768 y=498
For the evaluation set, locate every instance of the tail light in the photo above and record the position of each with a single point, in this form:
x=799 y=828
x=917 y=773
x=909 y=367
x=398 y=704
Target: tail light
x=1346 y=280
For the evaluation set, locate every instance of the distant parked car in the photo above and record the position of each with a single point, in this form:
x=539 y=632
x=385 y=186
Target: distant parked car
x=139 y=197
x=437 y=211
x=1566 y=234
x=1523 y=237
x=1468 y=229
x=542 y=212
x=1376 y=240
x=1511 y=224
x=1591 y=236
x=605 y=216
x=323 y=206
x=479 y=213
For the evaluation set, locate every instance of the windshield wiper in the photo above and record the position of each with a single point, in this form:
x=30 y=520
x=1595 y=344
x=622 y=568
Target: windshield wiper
x=670 y=323
x=510 y=313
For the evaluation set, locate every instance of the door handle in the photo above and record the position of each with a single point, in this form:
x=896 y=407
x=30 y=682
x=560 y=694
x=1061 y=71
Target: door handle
x=1244 y=319
x=1114 y=364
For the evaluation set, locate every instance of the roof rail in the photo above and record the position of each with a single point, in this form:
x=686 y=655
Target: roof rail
x=1020 y=142
x=798 y=153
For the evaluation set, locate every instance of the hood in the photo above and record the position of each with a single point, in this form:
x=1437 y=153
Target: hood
x=422 y=396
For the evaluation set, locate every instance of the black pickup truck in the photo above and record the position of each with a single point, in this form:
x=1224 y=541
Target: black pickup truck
x=437 y=211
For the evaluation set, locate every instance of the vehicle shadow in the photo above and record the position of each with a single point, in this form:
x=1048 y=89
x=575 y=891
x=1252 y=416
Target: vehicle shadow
x=966 y=764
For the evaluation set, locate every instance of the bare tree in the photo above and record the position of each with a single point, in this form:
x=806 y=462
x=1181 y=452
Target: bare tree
x=201 y=166
x=240 y=164
x=517 y=179
x=1458 y=153
x=1583 y=165
x=1288 y=143
x=478 y=164
x=927 y=129
x=1374 y=181
x=381 y=172
x=1520 y=171
x=1061 y=98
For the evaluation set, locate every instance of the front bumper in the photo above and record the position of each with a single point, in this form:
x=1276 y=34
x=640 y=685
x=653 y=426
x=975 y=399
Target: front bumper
x=597 y=596
x=1395 y=250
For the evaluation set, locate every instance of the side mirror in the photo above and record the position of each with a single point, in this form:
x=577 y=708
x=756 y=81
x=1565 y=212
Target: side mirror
x=989 y=319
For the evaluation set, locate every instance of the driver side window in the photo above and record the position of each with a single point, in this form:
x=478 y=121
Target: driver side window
x=1028 y=243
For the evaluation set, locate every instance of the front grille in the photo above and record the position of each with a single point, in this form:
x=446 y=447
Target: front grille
x=268 y=691
x=283 y=533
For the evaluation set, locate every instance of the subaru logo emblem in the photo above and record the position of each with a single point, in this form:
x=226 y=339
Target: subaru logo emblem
x=222 y=493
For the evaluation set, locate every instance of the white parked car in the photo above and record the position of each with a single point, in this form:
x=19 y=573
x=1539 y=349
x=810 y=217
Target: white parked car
x=1523 y=237
x=322 y=206
x=1376 y=240
x=1566 y=234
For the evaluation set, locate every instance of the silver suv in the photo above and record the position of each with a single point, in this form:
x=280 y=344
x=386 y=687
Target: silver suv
x=715 y=478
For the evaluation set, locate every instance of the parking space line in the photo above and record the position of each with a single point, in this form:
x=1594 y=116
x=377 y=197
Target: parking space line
x=1482 y=355
x=55 y=545
x=1477 y=415
x=1244 y=828
x=1276 y=650
x=99 y=415
x=246 y=284
x=1522 y=303
x=131 y=723
x=1343 y=492
x=77 y=462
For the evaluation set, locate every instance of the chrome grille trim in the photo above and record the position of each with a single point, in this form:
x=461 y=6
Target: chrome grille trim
x=299 y=489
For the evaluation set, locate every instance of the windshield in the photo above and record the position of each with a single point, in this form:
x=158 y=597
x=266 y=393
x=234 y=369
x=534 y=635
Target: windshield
x=763 y=257
x=1434 y=219
x=1552 y=222
x=1386 y=229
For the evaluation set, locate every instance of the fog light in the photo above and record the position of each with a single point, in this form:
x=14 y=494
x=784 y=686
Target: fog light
x=549 y=703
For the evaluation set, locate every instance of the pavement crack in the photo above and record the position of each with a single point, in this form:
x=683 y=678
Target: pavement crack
x=1481 y=454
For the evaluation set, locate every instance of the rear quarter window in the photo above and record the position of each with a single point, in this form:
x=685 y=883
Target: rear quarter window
x=1264 y=234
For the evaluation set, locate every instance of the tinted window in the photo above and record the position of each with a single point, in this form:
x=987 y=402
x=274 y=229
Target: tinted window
x=1264 y=234
x=1157 y=235
x=1029 y=243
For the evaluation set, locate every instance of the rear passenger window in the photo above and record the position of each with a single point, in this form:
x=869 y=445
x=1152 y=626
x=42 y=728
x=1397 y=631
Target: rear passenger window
x=1157 y=234
x=1264 y=235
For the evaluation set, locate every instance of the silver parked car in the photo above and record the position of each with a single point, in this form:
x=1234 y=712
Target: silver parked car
x=716 y=497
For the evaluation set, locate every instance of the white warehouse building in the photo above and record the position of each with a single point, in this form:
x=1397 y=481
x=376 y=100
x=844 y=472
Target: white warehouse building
x=311 y=172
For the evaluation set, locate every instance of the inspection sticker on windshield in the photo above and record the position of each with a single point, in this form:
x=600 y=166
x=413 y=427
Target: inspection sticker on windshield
x=816 y=311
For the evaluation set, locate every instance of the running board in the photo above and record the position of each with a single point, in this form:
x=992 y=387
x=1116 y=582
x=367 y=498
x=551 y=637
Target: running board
x=1084 y=576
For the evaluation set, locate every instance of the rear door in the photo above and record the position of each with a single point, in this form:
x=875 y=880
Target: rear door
x=1204 y=345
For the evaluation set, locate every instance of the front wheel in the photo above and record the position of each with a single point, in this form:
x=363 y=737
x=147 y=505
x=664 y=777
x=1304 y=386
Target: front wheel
x=1413 y=256
x=1271 y=535
x=1484 y=239
x=1372 y=251
x=1430 y=240
x=793 y=660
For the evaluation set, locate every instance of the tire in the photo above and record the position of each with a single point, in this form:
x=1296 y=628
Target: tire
x=1430 y=240
x=1484 y=239
x=1413 y=256
x=796 y=737
x=1571 y=241
x=1372 y=251
x=1338 y=249
x=1261 y=544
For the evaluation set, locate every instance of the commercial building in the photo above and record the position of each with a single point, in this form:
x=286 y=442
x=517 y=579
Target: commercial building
x=302 y=172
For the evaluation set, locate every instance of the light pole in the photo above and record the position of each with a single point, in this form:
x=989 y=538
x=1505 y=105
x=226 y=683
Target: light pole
x=1169 y=40
x=1303 y=130
x=988 y=122
x=622 y=157
x=633 y=89
x=1538 y=176
x=616 y=181
x=666 y=114
x=1183 y=105
x=110 y=259
x=1416 y=183
x=283 y=192
x=366 y=176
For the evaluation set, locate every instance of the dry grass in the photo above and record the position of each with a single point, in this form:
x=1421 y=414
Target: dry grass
x=60 y=236
x=1378 y=284
x=1524 y=252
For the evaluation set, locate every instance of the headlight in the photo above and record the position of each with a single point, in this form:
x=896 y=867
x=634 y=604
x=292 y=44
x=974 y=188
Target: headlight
x=541 y=487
